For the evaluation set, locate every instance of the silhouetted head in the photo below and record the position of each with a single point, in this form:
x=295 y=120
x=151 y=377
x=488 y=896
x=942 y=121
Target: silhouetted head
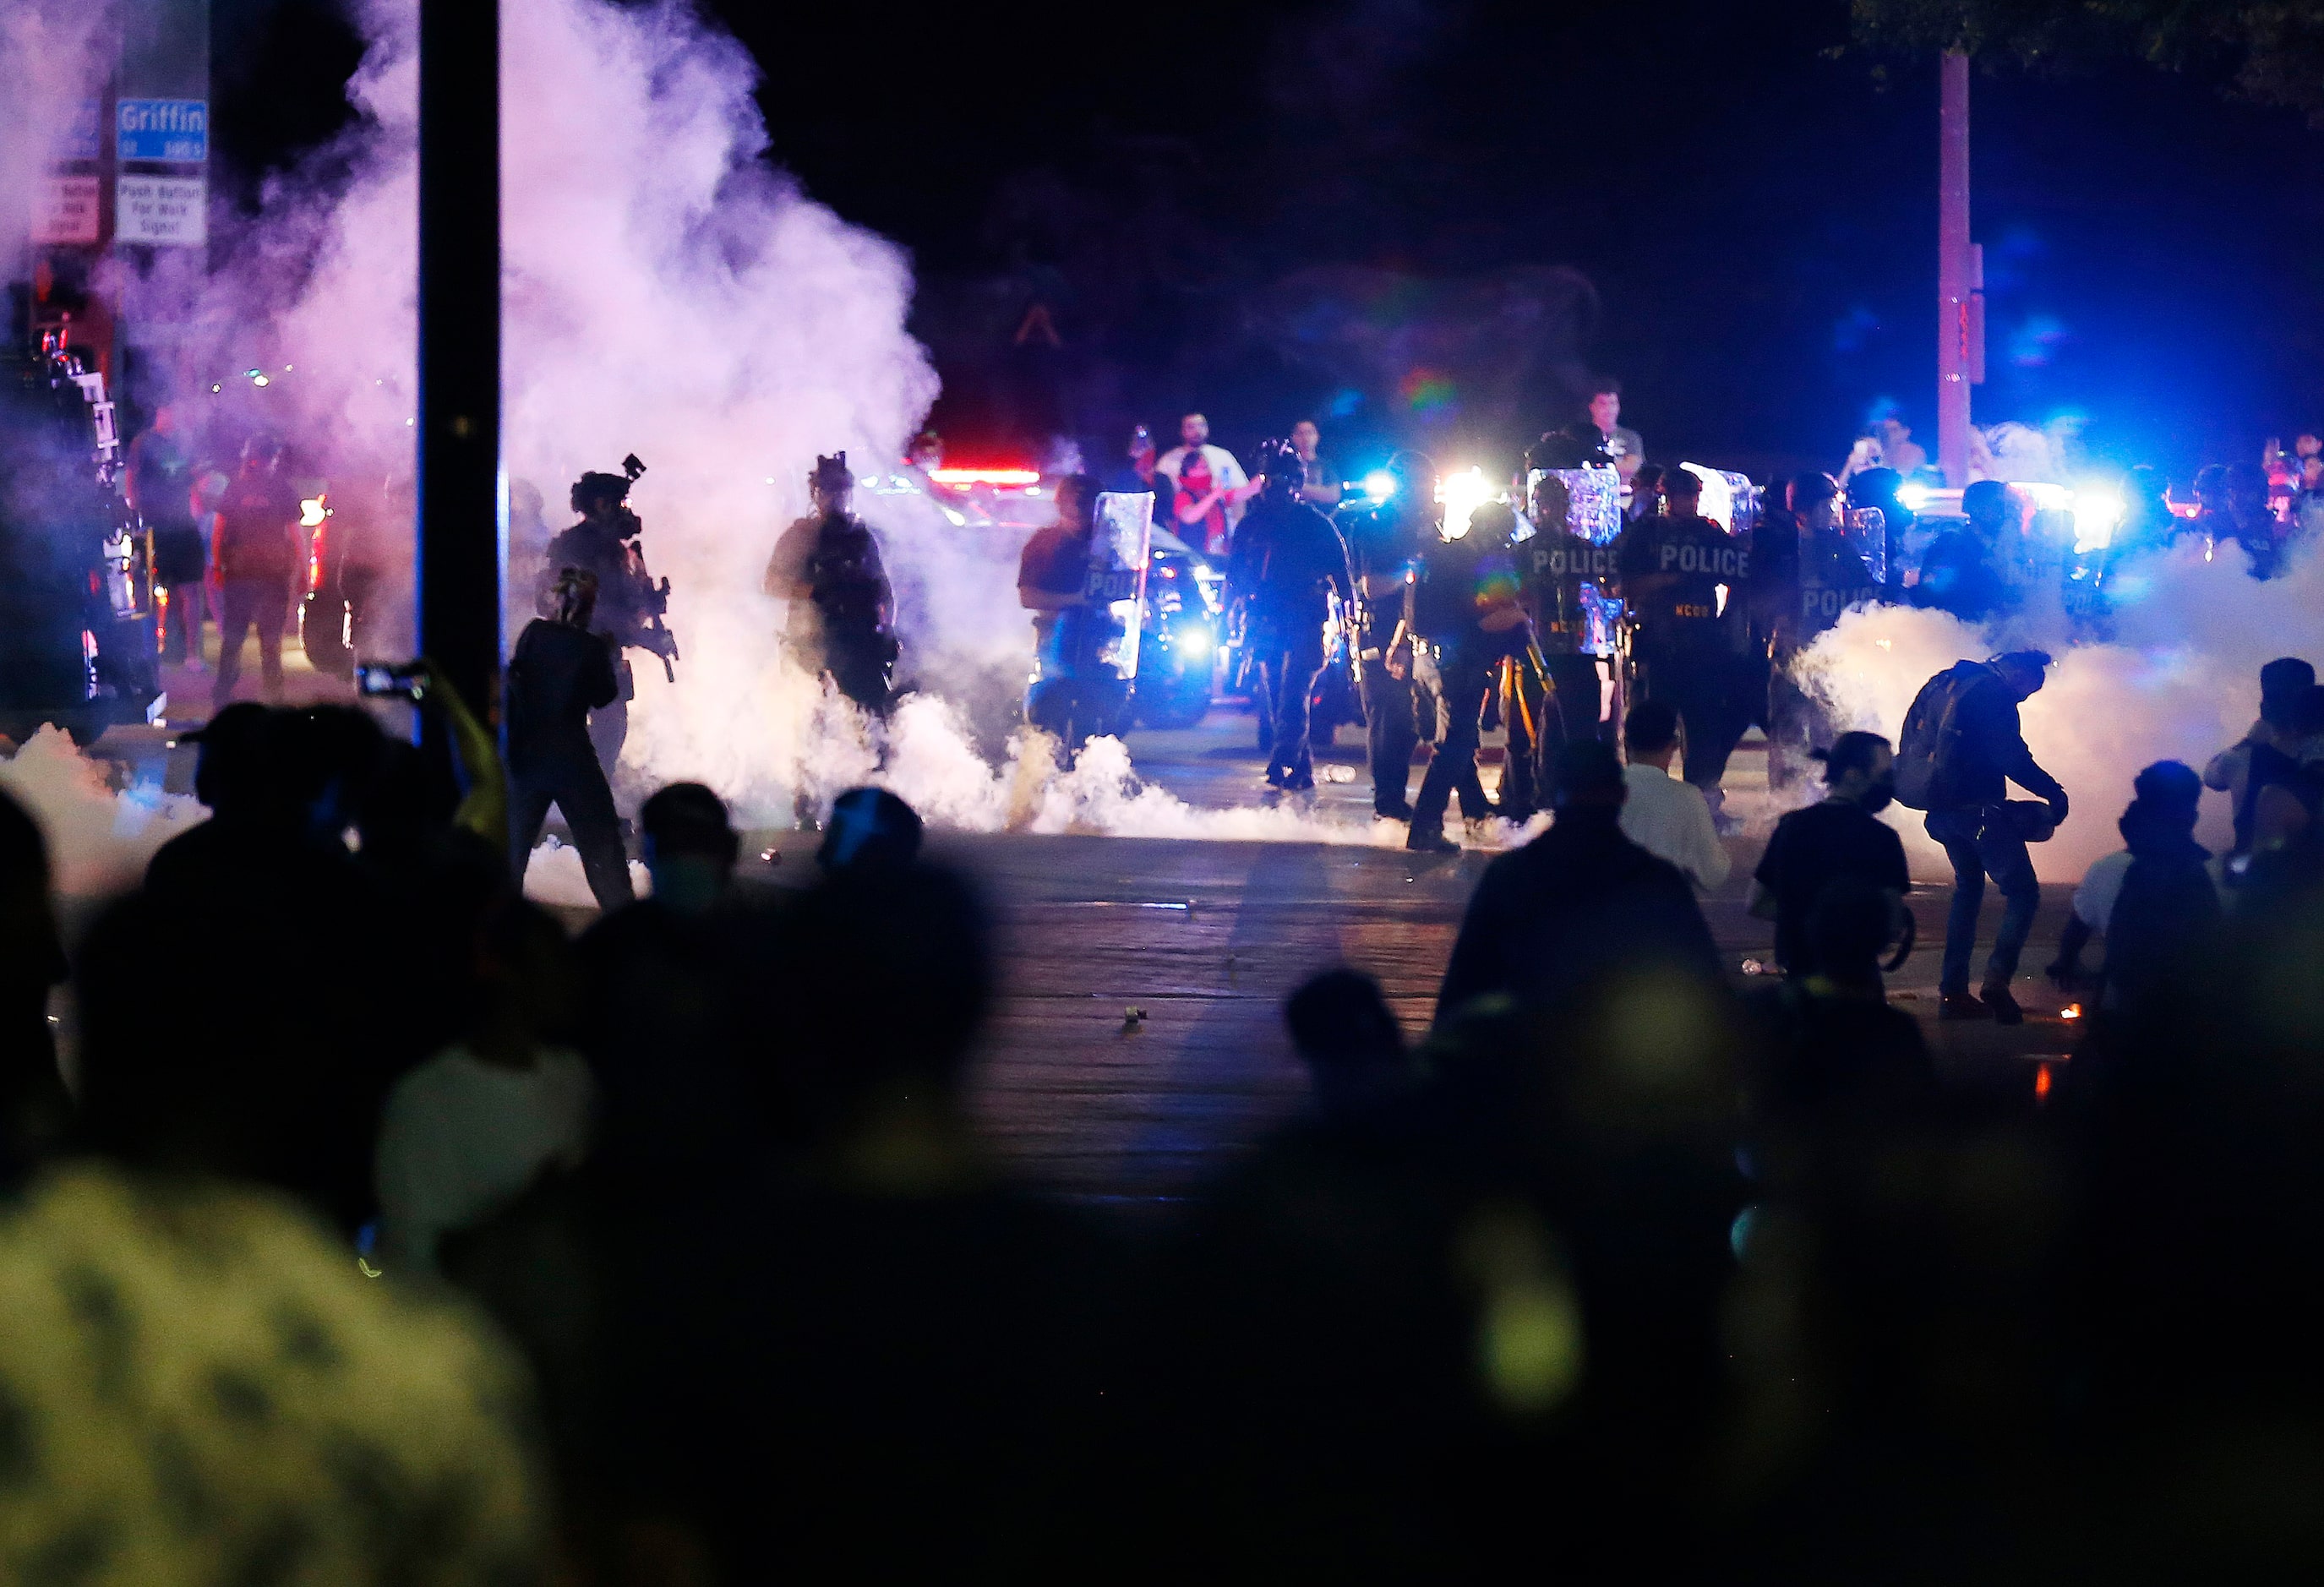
x=1860 y=766
x=870 y=828
x=689 y=844
x=1078 y=496
x=231 y=769
x=1814 y=501
x=1552 y=502
x=1587 y=776
x=2282 y=682
x=1683 y=490
x=572 y=598
x=593 y=493
x=831 y=483
x=1345 y=1033
x=1650 y=730
x=1280 y=462
x=2023 y=670
x=888 y=974
x=1991 y=506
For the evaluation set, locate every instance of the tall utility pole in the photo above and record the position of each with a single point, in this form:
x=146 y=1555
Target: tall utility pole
x=461 y=529
x=1961 y=297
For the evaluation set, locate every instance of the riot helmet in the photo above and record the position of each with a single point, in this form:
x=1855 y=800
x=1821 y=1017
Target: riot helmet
x=831 y=481
x=593 y=491
x=263 y=449
x=1285 y=471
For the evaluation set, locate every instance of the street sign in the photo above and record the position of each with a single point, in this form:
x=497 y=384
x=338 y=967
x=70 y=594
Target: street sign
x=166 y=211
x=173 y=130
x=65 y=209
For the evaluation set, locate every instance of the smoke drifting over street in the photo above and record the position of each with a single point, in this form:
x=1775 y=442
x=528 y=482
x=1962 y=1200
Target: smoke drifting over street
x=2180 y=682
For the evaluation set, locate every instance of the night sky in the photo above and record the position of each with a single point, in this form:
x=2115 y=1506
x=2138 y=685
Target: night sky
x=1752 y=215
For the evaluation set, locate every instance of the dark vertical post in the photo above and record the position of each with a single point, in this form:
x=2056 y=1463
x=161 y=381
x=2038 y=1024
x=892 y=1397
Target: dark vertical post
x=459 y=428
x=1953 y=284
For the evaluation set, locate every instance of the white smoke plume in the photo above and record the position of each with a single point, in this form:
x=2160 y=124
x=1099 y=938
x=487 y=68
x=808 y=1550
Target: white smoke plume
x=2179 y=680
x=100 y=839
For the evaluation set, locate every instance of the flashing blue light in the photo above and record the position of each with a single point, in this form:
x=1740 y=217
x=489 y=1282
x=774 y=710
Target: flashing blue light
x=1913 y=497
x=1194 y=643
x=1380 y=484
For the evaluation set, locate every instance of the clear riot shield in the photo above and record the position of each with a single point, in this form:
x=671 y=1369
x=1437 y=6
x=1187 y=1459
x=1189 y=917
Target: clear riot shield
x=1097 y=641
x=1729 y=499
x=1865 y=530
x=1120 y=546
x=1594 y=511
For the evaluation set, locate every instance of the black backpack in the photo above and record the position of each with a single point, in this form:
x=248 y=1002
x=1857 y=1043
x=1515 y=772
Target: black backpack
x=1931 y=741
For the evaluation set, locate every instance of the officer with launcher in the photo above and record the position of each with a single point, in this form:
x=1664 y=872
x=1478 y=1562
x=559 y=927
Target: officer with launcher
x=629 y=606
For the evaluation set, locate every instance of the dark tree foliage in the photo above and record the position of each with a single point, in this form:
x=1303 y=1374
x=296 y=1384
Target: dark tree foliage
x=2271 y=51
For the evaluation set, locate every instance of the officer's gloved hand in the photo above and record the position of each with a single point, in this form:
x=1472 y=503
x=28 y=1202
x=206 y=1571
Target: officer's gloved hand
x=2058 y=811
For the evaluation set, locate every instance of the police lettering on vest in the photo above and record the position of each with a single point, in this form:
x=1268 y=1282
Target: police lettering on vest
x=1672 y=570
x=1832 y=578
x=1561 y=564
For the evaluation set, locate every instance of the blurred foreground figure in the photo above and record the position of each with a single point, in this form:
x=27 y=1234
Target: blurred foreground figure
x=1576 y=903
x=560 y=671
x=472 y=1129
x=1347 y=1037
x=33 y=1106
x=201 y=1384
x=866 y=1358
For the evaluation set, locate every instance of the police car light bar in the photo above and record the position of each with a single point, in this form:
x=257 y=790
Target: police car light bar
x=986 y=476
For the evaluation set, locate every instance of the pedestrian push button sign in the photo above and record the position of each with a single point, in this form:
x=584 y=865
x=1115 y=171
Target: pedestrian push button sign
x=174 y=130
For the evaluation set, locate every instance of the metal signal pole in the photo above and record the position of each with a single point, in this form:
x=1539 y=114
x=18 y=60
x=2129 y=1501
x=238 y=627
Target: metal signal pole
x=1961 y=276
x=462 y=519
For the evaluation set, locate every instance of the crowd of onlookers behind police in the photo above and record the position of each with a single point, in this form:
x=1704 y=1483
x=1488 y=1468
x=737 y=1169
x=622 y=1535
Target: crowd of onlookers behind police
x=1620 y=1267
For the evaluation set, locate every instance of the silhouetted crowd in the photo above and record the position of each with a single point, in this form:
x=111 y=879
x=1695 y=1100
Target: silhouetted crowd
x=383 y=1233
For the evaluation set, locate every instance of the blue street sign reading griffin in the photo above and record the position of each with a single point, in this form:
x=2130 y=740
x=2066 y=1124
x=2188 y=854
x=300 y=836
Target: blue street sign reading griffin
x=173 y=130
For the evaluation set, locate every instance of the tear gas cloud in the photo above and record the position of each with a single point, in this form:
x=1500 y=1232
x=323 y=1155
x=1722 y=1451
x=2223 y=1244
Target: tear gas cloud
x=668 y=291
x=2180 y=682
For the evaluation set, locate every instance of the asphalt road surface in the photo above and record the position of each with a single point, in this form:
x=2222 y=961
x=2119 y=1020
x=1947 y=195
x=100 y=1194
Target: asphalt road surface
x=1139 y=1046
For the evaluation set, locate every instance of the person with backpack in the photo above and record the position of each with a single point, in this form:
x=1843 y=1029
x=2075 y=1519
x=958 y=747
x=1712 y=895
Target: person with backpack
x=1961 y=748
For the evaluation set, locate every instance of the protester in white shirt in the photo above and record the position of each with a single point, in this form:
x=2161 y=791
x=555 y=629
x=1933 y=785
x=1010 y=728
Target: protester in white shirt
x=1226 y=474
x=470 y=1129
x=1662 y=816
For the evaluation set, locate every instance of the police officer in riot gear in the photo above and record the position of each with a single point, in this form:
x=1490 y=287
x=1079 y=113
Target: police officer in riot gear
x=1461 y=616
x=827 y=566
x=1560 y=563
x=1288 y=561
x=602 y=544
x=1383 y=544
x=1683 y=646
x=1829 y=576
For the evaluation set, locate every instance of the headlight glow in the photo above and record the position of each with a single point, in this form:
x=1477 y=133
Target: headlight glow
x=1461 y=494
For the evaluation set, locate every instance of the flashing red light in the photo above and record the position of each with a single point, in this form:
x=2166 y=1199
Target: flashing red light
x=966 y=476
x=2041 y=1084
